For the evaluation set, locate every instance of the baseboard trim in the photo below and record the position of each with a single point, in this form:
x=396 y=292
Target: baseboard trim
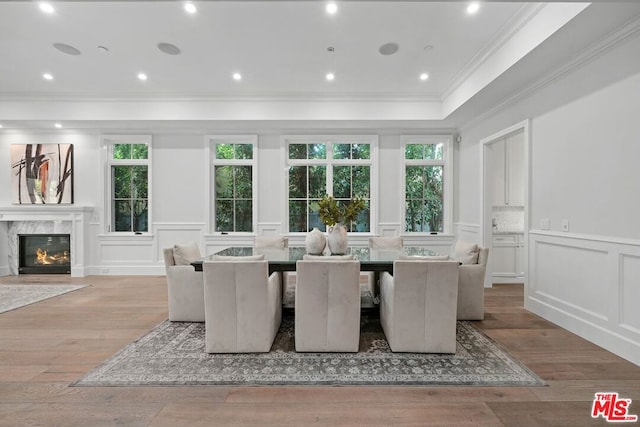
x=597 y=334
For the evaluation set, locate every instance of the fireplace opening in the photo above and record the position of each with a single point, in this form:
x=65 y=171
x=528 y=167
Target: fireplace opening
x=44 y=253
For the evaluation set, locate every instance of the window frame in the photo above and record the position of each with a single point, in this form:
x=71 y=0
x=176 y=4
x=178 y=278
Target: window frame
x=212 y=162
x=107 y=143
x=446 y=163
x=330 y=162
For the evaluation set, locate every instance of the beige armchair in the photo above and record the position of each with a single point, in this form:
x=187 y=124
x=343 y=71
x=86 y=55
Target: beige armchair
x=378 y=242
x=184 y=285
x=243 y=305
x=381 y=243
x=327 y=310
x=471 y=288
x=270 y=242
x=418 y=306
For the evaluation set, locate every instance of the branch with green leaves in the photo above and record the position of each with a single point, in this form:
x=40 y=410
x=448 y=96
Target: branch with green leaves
x=332 y=213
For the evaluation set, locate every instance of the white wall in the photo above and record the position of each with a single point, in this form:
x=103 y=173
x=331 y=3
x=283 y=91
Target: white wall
x=179 y=195
x=585 y=142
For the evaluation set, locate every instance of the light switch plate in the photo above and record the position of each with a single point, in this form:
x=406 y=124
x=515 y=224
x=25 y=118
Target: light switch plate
x=544 y=224
x=564 y=224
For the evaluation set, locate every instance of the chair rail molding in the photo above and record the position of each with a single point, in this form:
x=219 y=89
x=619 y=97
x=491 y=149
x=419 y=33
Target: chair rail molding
x=589 y=286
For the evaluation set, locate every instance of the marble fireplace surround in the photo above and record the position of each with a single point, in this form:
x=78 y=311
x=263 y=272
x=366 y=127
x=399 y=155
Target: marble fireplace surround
x=62 y=219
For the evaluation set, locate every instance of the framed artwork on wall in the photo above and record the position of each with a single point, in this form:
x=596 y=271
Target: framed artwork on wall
x=42 y=173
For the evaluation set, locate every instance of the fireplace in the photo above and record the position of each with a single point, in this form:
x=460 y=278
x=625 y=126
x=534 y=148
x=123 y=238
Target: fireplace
x=44 y=253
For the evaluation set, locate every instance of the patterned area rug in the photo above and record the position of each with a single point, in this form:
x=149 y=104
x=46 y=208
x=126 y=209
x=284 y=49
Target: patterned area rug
x=16 y=296
x=173 y=354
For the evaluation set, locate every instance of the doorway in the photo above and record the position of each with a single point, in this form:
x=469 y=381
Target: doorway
x=505 y=207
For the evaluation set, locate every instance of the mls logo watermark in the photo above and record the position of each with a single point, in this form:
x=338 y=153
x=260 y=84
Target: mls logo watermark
x=612 y=408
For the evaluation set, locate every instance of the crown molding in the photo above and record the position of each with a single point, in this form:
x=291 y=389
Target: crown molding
x=217 y=97
x=596 y=49
x=502 y=36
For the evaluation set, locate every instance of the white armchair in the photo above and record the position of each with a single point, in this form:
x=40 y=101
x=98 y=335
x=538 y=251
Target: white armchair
x=471 y=287
x=243 y=306
x=327 y=311
x=184 y=285
x=418 y=306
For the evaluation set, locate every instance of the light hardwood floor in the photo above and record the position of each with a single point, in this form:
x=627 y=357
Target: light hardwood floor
x=46 y=346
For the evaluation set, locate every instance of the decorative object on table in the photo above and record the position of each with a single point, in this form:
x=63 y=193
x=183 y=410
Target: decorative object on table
x=42 y=173
x=315 y=242
x=337 y=217
x=337 y=239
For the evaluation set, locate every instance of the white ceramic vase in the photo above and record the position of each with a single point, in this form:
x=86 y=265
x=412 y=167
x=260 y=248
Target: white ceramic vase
x=337 y=239
x=315 y=242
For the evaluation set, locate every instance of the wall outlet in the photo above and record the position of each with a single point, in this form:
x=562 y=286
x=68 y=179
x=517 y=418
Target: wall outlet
x=545 y=224
x=564 y=225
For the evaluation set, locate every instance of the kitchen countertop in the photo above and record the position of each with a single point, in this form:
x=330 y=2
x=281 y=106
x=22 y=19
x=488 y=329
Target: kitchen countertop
x=503 y=232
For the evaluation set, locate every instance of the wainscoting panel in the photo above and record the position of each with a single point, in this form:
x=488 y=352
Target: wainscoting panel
x=168 y=234
x=557 y=264
x=588 y=285
x=269 y=229
x=629 y=296
x=468 y=232
x=389 y=229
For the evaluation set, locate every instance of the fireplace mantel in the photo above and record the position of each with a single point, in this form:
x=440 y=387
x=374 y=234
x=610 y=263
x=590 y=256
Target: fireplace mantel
x=77 y=217
x=43 y=212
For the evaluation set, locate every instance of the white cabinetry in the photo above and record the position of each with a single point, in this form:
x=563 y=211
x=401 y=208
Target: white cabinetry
x=508 y=257
x=508 y=167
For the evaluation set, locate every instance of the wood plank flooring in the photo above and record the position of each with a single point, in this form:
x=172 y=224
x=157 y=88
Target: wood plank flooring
x=46 y=346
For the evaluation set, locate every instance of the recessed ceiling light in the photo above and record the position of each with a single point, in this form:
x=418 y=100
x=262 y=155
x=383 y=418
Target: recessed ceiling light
x=388 y=48
x=46 y=7
x=47 y=76
x=142 y=76
x=0 y=126
x=190 y=8
x=65 y=48
x=58 y=125
x=473 y=7
x=330 y=77
x=331 y=8
x=237 y=77
x=169 y=49
x=424 y=76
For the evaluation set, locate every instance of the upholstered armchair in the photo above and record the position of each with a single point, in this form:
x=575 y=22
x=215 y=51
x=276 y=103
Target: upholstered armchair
x=471 y=286
x=184 y=285
x=327 y=310
x=388 y=243
x=418 y=306
x=381 y=243
x=271 y=242
x=243 y=305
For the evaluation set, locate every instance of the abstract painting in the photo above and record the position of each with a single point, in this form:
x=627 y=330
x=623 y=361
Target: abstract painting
x=42 y=173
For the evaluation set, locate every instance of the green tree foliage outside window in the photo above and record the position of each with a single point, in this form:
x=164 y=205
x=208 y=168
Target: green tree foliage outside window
x=308 y=181
x=129 y=185
x=233 y=196
x=424 y=188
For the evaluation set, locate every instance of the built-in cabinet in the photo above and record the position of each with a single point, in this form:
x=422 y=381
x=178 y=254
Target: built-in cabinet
x=508 y=169
x=508 y=255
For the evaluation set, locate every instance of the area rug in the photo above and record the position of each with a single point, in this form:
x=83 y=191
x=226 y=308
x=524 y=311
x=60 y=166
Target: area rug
x=173 y=354
x=16 y=296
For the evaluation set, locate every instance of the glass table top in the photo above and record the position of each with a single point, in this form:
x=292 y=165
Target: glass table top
x=293 y=254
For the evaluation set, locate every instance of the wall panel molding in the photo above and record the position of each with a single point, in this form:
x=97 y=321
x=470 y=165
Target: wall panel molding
x=589 y=286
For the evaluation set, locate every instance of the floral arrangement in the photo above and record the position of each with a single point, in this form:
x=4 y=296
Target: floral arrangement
x=331 y=213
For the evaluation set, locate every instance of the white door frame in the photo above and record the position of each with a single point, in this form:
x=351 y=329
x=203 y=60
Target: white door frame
x=486 y=199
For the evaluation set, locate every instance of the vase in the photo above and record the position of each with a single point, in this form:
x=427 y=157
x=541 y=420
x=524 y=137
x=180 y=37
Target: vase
x=337 y=239
x=315 y=242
